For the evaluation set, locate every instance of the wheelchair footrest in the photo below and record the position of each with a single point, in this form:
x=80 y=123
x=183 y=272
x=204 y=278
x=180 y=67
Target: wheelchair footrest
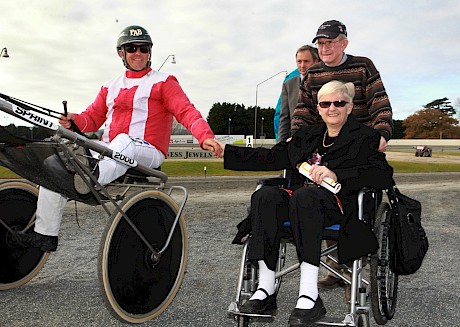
x=234 y=311
x=330 y=321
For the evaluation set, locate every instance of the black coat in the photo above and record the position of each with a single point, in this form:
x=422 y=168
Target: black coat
x=354 y=158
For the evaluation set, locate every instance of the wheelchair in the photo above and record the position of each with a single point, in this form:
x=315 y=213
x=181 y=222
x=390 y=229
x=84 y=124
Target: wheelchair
x=373 y=284
x=143 y=249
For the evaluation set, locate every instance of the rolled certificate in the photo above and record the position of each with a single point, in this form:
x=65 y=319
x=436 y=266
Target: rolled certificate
x=327 y=182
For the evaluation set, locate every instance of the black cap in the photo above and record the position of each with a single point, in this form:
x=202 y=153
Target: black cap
x=330 y=30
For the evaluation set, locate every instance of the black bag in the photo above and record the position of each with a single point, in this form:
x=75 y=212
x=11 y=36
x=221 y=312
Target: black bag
x=408 y=239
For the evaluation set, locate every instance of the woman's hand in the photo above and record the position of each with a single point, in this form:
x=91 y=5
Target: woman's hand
x=222 y=146
x=215 y=146
x=318 y=173
x=65 y=121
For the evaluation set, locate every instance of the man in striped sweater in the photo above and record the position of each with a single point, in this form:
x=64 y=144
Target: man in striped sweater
x=371 y=105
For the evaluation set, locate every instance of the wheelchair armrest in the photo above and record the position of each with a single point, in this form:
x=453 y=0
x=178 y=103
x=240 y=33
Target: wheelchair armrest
x=274 y=181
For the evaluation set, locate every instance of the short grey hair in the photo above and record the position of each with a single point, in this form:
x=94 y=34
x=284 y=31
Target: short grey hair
x=345 y=89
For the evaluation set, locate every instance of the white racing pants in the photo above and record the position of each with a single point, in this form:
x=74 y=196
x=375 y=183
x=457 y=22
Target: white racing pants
x=50 y=206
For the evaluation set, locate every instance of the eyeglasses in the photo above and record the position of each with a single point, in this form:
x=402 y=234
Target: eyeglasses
x=132 y=48
x=337 y=104
x=327 y=44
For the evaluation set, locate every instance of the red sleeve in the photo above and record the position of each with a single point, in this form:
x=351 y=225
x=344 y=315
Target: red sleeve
x=95 y=115
x=185 y=112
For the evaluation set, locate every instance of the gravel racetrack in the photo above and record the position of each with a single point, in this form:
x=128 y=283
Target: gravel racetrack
x=66 y=293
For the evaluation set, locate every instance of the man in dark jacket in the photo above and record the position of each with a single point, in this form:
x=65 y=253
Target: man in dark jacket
x=306 y=56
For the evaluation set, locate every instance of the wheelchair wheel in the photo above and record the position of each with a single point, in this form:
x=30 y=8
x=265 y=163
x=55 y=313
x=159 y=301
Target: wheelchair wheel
x=136 y=289
x=18 y=203
x=280 y=265
x=384 y=283
x=250 y=279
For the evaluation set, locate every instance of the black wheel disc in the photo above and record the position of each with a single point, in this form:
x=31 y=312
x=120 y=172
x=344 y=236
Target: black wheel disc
x=138 y=287
x=18 y=203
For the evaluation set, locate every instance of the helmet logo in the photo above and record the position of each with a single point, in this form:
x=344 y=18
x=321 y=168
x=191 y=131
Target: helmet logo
x=135 y=32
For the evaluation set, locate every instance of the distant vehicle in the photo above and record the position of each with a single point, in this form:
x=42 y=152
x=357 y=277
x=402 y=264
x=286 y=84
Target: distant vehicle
x=423 y=151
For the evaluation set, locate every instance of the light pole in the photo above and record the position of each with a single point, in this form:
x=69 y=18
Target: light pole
x=255 y=109
x=173 y=61
x=229 y=122
x=440 y=127
x=4 y=53
x=262 y=128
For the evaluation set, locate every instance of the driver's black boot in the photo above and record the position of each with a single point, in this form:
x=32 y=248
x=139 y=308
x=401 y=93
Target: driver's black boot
x=35 y=240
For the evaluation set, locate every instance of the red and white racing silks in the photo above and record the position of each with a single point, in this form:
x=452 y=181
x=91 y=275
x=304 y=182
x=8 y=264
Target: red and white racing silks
x=142 y=105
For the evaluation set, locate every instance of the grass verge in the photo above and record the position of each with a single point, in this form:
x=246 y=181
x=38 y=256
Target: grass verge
x=216 y=168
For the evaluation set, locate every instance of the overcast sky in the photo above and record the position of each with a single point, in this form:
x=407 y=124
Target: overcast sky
x=65 y=50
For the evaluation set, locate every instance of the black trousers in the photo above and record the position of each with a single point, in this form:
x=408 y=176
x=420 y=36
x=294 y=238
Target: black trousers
x=269 y=210
x=309 y=210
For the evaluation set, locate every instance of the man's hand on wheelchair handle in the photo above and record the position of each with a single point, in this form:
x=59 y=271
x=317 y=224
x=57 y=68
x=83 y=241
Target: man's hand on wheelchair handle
x=383 y=144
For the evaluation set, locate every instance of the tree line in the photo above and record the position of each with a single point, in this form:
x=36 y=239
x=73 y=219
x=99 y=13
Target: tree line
x=235 y=119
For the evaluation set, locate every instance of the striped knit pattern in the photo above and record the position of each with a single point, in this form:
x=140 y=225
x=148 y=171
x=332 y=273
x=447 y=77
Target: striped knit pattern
x=371 y=104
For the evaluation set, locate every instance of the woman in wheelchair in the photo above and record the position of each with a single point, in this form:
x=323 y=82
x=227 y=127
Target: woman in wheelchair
x=341 y=149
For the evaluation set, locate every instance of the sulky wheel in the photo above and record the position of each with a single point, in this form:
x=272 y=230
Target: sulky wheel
x=18 y=203
x=384 y=283
x=136 y=287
